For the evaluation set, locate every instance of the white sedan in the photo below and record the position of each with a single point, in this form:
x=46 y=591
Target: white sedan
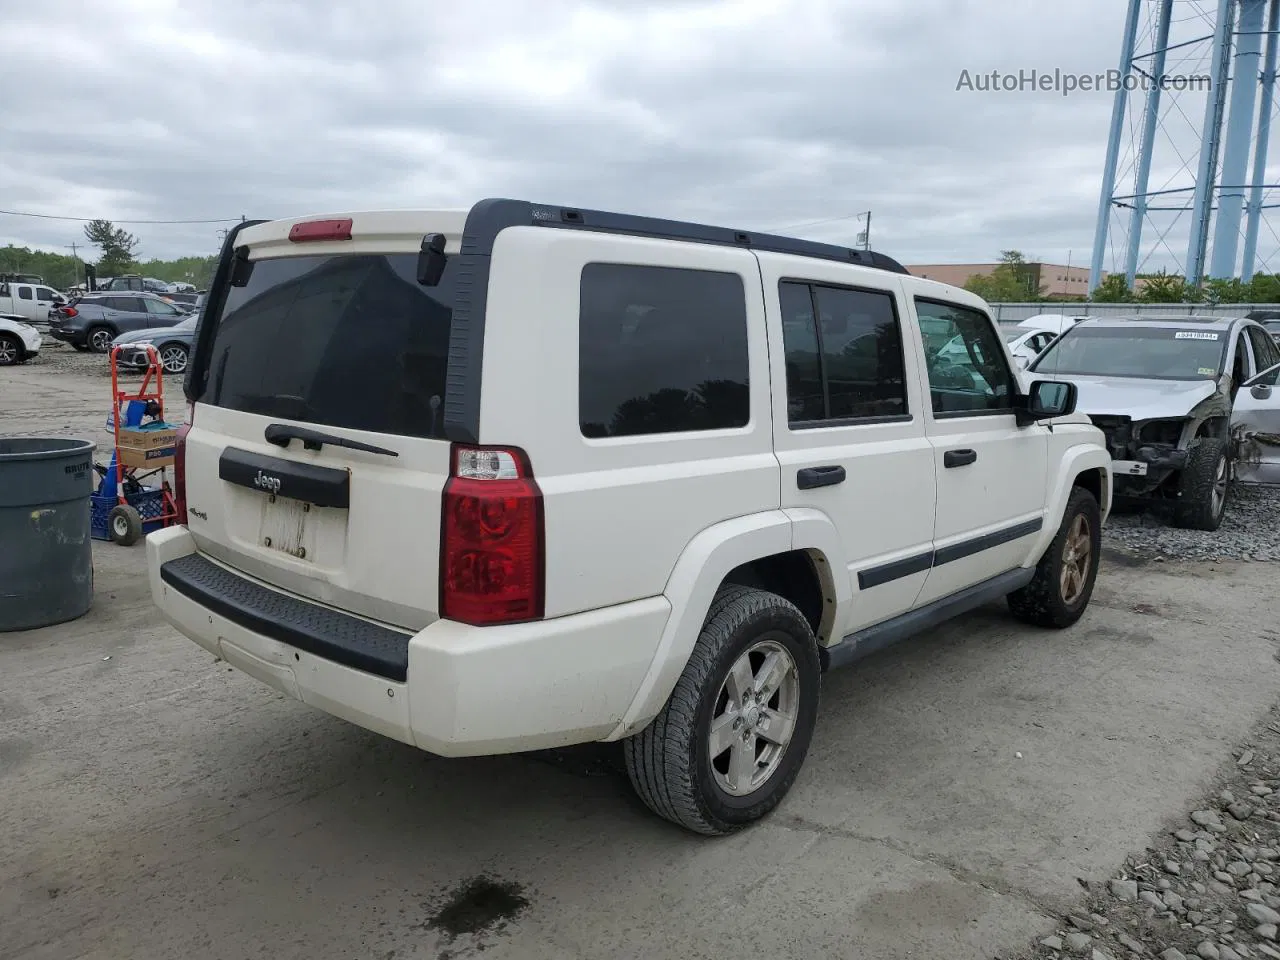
x=19 y=340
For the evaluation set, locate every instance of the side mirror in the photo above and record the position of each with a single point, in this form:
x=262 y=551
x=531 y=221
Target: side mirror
x=1261 y=391
x=1046 y=400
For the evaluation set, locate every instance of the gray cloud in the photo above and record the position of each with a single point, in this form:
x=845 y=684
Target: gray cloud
x=752 y=113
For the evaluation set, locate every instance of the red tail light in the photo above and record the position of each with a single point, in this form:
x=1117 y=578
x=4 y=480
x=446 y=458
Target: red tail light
x=491 y=538
x=180 y=464
x=320 y=230
x=69 y=312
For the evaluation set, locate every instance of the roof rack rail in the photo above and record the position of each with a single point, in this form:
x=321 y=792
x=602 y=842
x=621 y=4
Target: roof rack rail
x=490 y=216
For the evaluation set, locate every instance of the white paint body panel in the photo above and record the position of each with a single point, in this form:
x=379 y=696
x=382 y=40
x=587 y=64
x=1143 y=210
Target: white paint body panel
x=640 y=531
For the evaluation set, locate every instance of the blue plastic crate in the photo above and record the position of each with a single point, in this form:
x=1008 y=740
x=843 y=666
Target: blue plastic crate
x=149 y=503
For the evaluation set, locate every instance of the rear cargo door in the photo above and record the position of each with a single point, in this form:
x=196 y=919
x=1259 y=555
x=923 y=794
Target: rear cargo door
x=316 y=458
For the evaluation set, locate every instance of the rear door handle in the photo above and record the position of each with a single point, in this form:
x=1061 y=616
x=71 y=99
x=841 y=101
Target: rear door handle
x=827 y=476
x=959 y=458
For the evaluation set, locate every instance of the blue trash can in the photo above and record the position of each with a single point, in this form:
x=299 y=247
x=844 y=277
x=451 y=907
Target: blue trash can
x=46 y=556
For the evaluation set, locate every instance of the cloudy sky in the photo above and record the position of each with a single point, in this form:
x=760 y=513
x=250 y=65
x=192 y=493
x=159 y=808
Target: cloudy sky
x=743 y=112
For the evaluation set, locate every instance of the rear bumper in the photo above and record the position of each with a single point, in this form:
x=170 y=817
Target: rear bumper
x=75 y=337
x=452 y=689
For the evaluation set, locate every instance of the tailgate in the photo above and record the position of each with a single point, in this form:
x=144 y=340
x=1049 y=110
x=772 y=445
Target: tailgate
x=316 y=459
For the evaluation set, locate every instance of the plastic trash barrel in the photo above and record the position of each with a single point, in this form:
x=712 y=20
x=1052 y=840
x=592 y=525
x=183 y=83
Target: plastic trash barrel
x=46 y=556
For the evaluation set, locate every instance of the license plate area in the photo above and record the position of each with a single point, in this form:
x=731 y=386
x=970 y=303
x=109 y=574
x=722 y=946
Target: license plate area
x=287 y=507
x=1128 y=468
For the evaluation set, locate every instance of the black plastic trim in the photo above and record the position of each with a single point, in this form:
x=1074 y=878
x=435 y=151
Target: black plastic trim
x=810 y=478
x=307 y=626
x=851 y=422
x=322 y=486
x=961 y=414
x=967 y=548
x=197 y=375
x=888 y=572
x=865 y=642
x=896 y=569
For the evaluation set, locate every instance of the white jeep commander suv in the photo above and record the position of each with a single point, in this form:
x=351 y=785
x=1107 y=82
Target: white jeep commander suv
x=525 y=476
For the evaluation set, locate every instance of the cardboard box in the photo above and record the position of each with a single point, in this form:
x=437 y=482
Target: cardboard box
x=146 y=459
x=149 y=437
x=148 y=448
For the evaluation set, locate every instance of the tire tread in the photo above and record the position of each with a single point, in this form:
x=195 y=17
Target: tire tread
x=658 y=761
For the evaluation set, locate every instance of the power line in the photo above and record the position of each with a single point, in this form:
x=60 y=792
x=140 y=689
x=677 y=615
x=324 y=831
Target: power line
x=50 y=216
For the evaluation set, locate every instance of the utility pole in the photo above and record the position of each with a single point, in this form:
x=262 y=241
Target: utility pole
x=864 y=236
x=75 y=255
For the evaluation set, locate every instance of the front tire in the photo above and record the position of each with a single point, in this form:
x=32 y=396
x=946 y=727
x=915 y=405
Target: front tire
x=173 y=357
x=729 y=742
x=11 y=352
x=1205 y=486
x=1059 y=592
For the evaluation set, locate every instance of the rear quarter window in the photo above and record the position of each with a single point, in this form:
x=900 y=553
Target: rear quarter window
x=342 y=341
x=661 y=350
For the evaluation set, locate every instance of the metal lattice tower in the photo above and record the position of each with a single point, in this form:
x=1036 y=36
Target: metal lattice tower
x=1167 y=176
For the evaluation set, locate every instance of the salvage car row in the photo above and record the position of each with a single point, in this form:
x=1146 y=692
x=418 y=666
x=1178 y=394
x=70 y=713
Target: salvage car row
x=1188 y=405
x=97 y=321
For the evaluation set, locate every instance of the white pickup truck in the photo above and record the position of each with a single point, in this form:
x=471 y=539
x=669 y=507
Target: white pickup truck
x=31 y=301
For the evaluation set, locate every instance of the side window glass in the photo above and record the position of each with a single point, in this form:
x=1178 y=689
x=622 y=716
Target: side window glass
x=969 y=374
x=24 y=293
x=806 y=397
x=861 y=353
x=848 y=363
x=159 y=307
x=1265 y=350
x=661 y=350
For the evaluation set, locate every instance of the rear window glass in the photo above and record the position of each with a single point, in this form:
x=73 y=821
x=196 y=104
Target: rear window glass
x=661 y=350
x=343 y=341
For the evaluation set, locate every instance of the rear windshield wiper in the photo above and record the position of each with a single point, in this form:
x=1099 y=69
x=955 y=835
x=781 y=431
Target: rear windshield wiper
x=280 y=434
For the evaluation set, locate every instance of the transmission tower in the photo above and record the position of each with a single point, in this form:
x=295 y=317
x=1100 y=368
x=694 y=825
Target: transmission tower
x=1176 y=180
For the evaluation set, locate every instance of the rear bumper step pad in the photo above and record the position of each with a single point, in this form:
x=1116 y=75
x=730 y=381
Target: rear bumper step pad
x=326 y=633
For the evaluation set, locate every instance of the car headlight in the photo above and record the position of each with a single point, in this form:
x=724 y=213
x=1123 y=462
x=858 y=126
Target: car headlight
x=1161 y=431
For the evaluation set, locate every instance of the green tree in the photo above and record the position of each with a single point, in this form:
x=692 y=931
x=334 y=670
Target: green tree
x=1112 y=289
x=1012 y=281
x=1165 y=287
x=117 y=246
x=1219 y=290
x=1263 y=288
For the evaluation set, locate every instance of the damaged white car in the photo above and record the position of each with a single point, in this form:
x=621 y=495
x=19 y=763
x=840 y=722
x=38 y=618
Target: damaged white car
x=1189 y=405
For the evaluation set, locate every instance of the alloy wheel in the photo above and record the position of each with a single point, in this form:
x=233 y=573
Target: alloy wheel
x=173 y=359
x=754 y=718
x=1077 y=557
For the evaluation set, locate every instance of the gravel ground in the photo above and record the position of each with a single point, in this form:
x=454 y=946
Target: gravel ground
x=1250 y=531
x=1208 y=888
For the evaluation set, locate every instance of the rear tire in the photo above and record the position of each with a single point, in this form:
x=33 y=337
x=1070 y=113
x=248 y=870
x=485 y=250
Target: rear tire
x=1205 y=486
x=1059 y=592
x=98 y=339
x=11 y=352
x=729 y=742
x=124 y=525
